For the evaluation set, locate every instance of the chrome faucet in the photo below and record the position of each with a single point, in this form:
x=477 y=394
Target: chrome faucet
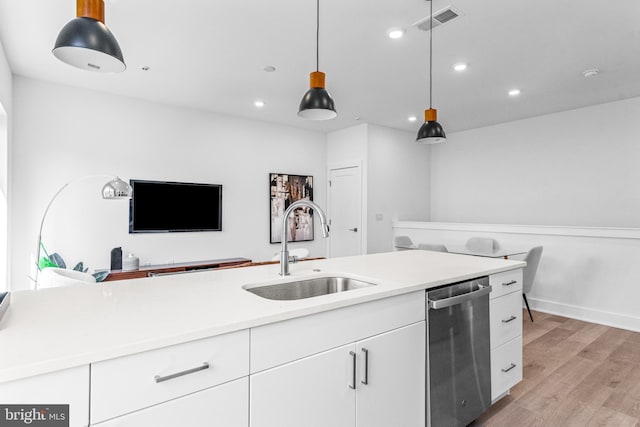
x=284 y=252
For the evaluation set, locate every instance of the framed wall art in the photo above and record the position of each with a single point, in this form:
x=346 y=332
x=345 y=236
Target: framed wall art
x=284 y=190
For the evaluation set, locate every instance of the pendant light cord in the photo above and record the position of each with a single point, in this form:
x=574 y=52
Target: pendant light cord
x=431 y=55
x=317 y=35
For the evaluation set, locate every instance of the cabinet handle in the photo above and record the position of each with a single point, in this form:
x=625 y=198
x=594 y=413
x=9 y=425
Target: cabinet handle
x=365 y=381
x=355 y=230
x=513 y=282
x=353 y=371
x=513 y=365
x=160 y=379
x=512 y=318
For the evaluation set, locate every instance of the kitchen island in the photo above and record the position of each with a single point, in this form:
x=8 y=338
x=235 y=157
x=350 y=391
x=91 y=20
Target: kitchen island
x=64 y=336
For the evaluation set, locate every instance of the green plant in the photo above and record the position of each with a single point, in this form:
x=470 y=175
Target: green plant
x=56 y=260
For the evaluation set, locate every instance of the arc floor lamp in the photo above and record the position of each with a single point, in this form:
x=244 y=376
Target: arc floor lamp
x=113 y=189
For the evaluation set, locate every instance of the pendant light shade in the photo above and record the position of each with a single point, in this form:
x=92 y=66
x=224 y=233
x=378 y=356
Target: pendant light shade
x=317 y=103
x=86 y=42
x=431 y=132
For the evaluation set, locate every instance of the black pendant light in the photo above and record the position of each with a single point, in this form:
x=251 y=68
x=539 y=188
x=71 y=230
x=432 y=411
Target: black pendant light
x=86 y=43
x=317 y=104
x=431 y=131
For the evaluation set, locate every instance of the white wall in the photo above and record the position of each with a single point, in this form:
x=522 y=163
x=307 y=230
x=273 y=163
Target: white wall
x=63 y=133
x=5 y=129
x=577 y=168
x=398 y=183
x=586 y=273
x=395 y=175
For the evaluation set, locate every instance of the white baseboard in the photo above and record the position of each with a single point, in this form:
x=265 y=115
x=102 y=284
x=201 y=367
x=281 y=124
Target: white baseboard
x=615 y=320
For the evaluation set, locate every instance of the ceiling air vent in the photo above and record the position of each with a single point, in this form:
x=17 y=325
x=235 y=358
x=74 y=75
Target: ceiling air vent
x=440 y=17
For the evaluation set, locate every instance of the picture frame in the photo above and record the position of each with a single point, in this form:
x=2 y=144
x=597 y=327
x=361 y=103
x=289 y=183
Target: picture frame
x=284 y=189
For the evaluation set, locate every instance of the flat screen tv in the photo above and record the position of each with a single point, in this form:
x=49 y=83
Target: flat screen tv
x=166 y=207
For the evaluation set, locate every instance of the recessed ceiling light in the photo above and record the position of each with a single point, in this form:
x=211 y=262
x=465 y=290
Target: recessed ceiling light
x=259 y=103
x=395 y=33
x=269 y=68
x=460 y=66
x=412 y=118
x=514 y=92
x=591 y=73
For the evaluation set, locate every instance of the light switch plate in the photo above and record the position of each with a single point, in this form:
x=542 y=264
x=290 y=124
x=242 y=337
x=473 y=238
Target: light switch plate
x=379 y=217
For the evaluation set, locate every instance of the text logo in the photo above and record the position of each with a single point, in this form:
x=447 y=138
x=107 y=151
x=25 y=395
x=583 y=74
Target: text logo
x=34 y=415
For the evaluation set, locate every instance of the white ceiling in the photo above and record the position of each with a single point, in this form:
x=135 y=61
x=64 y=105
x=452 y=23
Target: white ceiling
x=210 y=55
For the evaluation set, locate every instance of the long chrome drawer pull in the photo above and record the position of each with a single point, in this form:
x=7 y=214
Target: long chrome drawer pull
x=202 y=367
x=513 y=282
x=365 y=381
x=512 y=318
x=353 y=378
x=513 y=365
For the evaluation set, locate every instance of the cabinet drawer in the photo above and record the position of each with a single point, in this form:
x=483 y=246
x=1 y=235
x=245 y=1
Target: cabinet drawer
x=282 y=342
x=224 y=405
x=505 y=282
x=506 y=367
x=129 y=383
x=506 y=318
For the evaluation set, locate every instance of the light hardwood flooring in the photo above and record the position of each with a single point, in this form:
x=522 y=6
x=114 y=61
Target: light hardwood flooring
x=574 y=374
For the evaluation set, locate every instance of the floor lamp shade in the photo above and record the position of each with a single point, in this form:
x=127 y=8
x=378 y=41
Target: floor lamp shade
x=116 y=189
x=317 y=103
x=86 y=42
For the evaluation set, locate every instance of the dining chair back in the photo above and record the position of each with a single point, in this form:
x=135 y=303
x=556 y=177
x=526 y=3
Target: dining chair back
x=529 y=273
x=482 y=244
x=403 y=243
x=432 y=247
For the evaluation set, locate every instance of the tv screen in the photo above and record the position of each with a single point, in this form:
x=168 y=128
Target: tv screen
x=164 y=207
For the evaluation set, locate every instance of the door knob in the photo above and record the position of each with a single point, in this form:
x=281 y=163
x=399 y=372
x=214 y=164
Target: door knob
x=355 y=230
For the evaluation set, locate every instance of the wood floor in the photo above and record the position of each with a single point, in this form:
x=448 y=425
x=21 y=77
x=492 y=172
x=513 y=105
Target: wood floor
x=574 y=374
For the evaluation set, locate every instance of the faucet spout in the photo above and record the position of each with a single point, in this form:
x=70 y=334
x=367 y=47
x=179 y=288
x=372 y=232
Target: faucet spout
x=284 y=252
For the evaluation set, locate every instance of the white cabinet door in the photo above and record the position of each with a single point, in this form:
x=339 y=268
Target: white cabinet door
x=310 y=392
x=224 y=405
x=393 y=367
x=67 y=387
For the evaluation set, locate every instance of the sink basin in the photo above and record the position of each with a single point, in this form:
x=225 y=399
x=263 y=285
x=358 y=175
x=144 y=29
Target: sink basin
x=309 y=288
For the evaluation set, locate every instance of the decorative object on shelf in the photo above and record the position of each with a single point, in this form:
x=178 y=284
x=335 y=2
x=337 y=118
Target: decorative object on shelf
x=4 y=303
x=284 y=190
x=431 y=131
x=317 y=103
x=86 y=42
x=114 y=189
x=130 y=263
x=116 y=258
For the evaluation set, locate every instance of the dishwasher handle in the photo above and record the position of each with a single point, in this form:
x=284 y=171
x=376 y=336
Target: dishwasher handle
x=459 y=299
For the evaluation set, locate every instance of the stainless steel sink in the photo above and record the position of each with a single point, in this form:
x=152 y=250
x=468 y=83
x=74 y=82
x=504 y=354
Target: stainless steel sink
x=309 y=288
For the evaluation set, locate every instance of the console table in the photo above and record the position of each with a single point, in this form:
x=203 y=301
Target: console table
x=144 y=271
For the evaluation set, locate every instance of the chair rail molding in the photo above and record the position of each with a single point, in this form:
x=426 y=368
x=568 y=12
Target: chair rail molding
x=548 y=230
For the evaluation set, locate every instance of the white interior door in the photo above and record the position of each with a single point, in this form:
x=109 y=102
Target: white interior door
x=345 y=211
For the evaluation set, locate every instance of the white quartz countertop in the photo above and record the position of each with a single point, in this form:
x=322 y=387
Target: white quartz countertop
x=58 y=328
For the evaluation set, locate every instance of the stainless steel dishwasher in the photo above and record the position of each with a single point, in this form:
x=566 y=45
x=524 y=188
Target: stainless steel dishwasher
x=458 y=362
